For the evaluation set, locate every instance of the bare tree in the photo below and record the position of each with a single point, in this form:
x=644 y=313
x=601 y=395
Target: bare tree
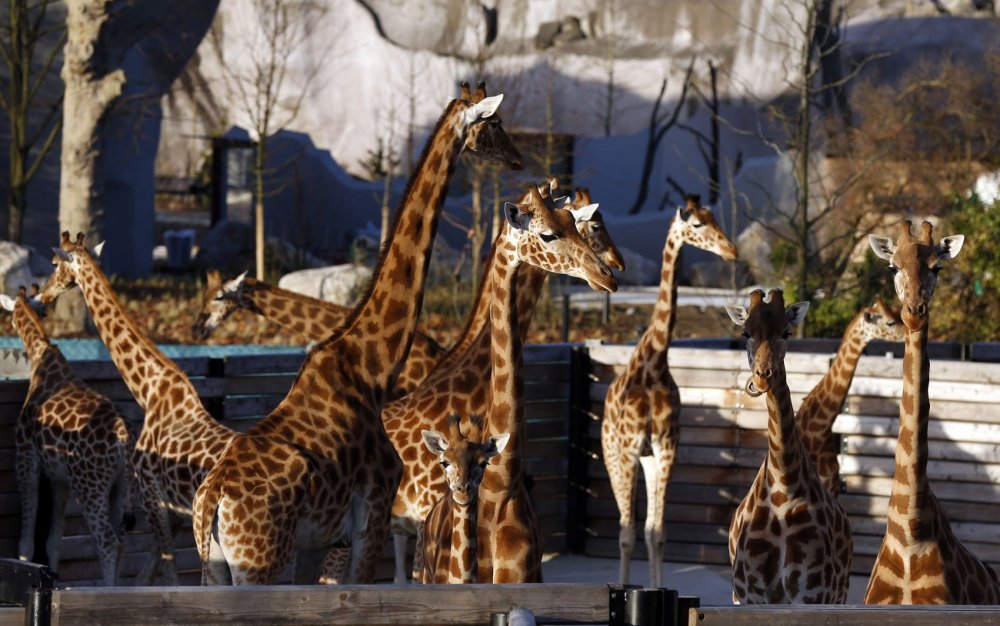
x=659 y=123
x=28 y=37
x=709 y=146
x=270 y=96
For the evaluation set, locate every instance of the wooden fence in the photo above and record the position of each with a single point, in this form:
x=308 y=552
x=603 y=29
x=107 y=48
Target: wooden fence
x=239 y=390
x=724 y=438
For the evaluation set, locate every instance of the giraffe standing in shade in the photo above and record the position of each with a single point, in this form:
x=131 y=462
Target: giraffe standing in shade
x=78 y=439
x=455 y=387
x=319 y=472
x=789 y=541
x=921 y=561
x=642 y=405
x=179 y=441
x=309 y=317
x=450 y=527
x=821 y=407
x=537 y=233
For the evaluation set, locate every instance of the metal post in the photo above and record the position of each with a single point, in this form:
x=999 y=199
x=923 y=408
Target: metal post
x=648 y=607
x=606 y=308
x=28 y=585
x=578 y=452
x=565 y=317
x=219 y=180
x=499 y=619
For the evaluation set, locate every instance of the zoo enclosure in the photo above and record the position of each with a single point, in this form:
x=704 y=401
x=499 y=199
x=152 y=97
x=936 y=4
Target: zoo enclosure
x=723 y=440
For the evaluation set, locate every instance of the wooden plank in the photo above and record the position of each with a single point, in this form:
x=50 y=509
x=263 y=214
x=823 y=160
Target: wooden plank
x=340 y=605
x=12 y=616
x=937 y=429
x=843 y=615
x=947 y=450
x=937 y=471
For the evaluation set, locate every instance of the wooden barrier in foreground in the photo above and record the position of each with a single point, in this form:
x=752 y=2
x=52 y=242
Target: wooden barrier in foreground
x=844 y=615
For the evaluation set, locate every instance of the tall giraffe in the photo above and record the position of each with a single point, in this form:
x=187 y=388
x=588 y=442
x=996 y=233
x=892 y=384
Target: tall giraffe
x=309 y=317
x=921 y=561
x=539 y=234
x=319 y=472
x=78 y=439
x=821 y=407
x=450 y=551
x=642 y=405
x=789 y=541
x=455 y=387
x=179 y=441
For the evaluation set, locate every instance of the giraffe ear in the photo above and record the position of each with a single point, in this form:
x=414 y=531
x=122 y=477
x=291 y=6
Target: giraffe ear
x=96 y=251
x=497 y=444
x=7 y=302
x=235 y=285
x=736 y=313
x=796 y=313
x=584 y=213
x=949 y=247
x=517 y=219
x=882 y=246
x=63 y=255
x=488 y=106
x=434 y=441
x=553 y=185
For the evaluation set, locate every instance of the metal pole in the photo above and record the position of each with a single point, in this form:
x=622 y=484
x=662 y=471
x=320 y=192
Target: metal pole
x=499 y=619
x=606 y=308
x=565 y=317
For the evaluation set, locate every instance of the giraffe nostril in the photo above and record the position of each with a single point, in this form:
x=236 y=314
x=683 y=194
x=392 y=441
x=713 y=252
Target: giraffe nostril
x=921 y=309
x=768 y=373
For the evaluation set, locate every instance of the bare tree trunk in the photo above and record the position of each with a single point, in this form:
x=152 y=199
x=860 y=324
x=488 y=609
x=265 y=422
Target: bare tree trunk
x=803 y=130
x=497 y=204
x=714 y=161
x=258 y=213
x=477 y=234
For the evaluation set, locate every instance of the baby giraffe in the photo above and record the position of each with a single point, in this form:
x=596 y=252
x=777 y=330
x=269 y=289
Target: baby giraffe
x=450 y=528
x=78 y=439
x=789 y=541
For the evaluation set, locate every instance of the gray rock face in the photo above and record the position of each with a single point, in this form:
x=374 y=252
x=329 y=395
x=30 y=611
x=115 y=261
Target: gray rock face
x=339 y=284
x=16 y=267
x=639 y=270
x=754 y=245
x=228 y=247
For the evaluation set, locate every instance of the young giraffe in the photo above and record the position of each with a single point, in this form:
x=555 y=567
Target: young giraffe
x=78 y=439
x=921 y=561
x=642 y=405
x=319 y=472
x=309 y=317
x=450 y=552
x=455 y=387
x=537 y=233
x=179 y=441
x=821 y=407
x=789 y=541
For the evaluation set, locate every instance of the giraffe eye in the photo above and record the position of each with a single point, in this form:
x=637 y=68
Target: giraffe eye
x=548 y=237
x=697 y=225
x=445 y=464
x=786 y=334
x=893 y=270
x=746 y=335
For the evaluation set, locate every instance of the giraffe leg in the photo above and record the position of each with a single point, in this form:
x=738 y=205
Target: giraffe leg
x=657 y=469
x=623 y=484
x=162 y=558
x=60 y=494
x=28 y=475
x=399 y=545
x=310 y=564
x=97 y=512
x=215 y=569
x=418 y=556
x=335 y=566
x=371 y=525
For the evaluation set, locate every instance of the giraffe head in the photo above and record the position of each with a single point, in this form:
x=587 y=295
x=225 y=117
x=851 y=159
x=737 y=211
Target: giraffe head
x=218 y=302
x=546 y=236
x=696 y=225
x=767 y=325
x=878 y=321
x=595 y=233
x=915 y=263
x=484 y=133
x=69 y=259
x=464 y=456
x=30 y=301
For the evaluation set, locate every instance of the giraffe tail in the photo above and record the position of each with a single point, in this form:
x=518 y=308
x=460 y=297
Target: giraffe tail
x=206 y=503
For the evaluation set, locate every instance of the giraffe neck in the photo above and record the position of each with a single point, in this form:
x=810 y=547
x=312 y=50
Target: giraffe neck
x=662 y=325
x=30 y=330
x=910 y=489
x=821 y=407
x=506 y=411
x=785 y=453
x=392 y=307
x=137 y=358
x=462 y=568
x=309 y=317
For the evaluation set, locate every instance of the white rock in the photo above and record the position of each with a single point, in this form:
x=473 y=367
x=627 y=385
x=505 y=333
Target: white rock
x=639 y=270
x=14 y=268
x=340 y=284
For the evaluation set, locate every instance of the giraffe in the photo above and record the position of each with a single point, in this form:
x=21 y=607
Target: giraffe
x=180 y=440
x=455 y=385
x=78 y=439
x=821 y=407
x=920 y=560
x=789 y=540
x=537 y=233
x=319 y=472
x=642 y=404
x=450 y=553
x=309 y=317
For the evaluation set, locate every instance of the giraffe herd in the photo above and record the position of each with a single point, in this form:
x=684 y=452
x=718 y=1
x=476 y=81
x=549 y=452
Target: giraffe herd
x=385 y=432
